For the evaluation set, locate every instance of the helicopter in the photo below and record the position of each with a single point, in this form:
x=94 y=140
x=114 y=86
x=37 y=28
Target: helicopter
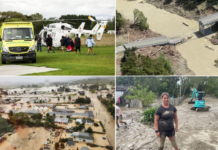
x=57 y=30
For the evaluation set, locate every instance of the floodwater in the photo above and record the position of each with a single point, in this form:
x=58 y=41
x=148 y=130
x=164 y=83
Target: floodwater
x=199 y=58
x=101 y=113
x=26 y=139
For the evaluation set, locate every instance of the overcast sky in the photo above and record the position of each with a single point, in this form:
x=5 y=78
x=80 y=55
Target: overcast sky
x=101 y=9
x=42 y=79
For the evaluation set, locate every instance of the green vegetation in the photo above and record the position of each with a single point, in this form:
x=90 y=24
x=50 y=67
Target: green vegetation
x=144 y=65
x=89 y=130
x=8 y=16
x=158 y=85
x=33 y=121
x=108 y=104
x=142 y=94
x=216 y=62
x=94 y=87
x=140 y=21
x=63 y=140
x=79 y=127
x=110 y=25
x=5 y=126
x=56 y=146
x=81 y=100
x=120 y=21
x=149 y=114
x=109 y=95
x=71 y=64
x=103 y=129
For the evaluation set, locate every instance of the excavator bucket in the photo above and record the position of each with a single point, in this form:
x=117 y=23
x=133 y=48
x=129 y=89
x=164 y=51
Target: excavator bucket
x=191 y=102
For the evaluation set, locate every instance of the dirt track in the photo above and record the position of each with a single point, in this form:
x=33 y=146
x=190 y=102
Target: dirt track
x=197 y=130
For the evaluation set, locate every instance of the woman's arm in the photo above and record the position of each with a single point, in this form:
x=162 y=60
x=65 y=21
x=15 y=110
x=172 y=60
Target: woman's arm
x=156 y=119
x=176 y=121
x=119 y=112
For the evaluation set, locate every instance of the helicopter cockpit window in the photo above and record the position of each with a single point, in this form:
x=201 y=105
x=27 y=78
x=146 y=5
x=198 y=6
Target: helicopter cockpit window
x=52 y=26
x=17 y=33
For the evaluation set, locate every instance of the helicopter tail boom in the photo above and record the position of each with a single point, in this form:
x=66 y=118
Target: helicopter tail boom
x=80 y=29
x=101 y=31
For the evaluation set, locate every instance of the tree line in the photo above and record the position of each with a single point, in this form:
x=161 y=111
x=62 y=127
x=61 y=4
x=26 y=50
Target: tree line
x=158 y=85
x=11 y=16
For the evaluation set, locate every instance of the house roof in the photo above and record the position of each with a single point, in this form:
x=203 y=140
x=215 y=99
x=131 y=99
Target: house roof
x=84 y=148
x=79 y=120
x=60 y=113
x=81 y=135
x=90 y=114
x=83 y=106
x=31 y=112
x=81 y=114
x=63 y=120
x=70 y=142
x=62 y=110
x=46 y=105
x=87 y=120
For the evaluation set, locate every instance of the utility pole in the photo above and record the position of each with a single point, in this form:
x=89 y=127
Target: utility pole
x=180 y=87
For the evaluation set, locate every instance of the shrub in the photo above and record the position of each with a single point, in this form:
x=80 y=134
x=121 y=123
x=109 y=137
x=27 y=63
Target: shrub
x=149 y=114
x=89 y=130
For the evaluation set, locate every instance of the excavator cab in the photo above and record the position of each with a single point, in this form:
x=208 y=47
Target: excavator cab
x=199 y=104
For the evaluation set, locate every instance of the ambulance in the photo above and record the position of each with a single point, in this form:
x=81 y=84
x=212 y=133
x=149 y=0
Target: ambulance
x=17 y=42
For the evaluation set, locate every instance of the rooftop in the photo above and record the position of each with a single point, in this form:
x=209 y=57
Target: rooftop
x=31 y=112
x=62 y=120
x=62 y=110
x=70 y=142
x=83 y=135
x=90 y=114
x=84 y=148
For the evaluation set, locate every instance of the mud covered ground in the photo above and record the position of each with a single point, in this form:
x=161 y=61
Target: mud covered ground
x=197 y=130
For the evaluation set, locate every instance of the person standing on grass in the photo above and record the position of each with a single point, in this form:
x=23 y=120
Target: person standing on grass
x=89 y=43
x=68 y=43
x=77 y=42
x=119 y=116
x=63 y=43
x=39 y=46
x=49 y=42
x=165 y=115
x=72 y=44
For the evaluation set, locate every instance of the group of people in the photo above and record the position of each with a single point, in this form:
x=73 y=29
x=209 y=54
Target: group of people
x=165 y=116
x=70 y=44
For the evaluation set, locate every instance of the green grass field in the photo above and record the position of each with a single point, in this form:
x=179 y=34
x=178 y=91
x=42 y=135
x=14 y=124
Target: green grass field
x=103 y=63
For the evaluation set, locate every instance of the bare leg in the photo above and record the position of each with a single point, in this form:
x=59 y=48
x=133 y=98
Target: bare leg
x=92 y=51
x=173 y=142
x=88 y=51
x=162 y=140
x=80 y=52
x=117 y=123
